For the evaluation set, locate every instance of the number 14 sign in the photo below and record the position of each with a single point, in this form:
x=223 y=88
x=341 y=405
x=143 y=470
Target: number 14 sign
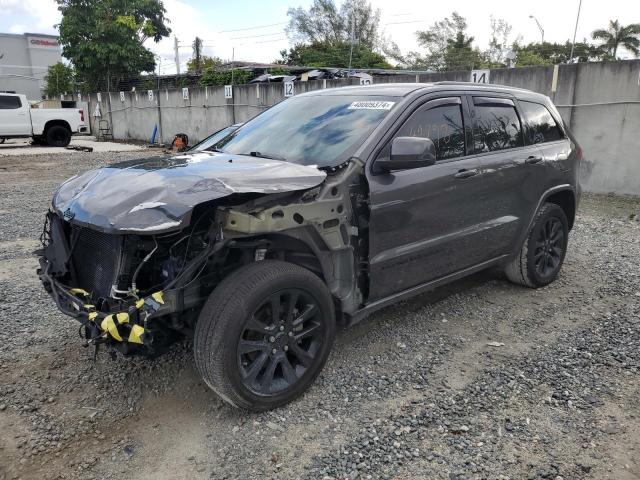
x=480 y=76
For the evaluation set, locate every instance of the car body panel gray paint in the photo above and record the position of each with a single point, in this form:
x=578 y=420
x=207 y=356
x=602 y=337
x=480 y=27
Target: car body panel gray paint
x=158 y=194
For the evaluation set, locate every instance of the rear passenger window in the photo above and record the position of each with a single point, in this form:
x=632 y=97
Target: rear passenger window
x=442 y=124
x=9 y=103
x=497 y=128
x=540 y=125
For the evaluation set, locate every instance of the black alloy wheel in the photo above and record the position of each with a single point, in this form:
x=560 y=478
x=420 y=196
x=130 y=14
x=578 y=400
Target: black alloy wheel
x=549 y=247
x=542 y=253
x=280 y=342
x=264 y=334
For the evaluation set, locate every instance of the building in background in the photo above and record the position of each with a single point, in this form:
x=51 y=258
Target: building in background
x=24 y=60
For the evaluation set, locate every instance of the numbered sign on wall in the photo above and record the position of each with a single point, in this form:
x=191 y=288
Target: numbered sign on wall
x=122 y=96
x=479 y=76
x=185 y=93
x=79 y=97
x=228 y=91
x=288 y=89
x=150 y=93
x=368 y=80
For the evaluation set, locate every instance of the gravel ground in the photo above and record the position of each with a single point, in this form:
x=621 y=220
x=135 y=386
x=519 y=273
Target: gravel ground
x=480 y=379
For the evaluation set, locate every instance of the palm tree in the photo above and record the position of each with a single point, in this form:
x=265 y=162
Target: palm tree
x=616 y=35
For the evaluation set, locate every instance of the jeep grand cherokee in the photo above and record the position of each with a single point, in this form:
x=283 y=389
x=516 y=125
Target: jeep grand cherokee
x=324 y=208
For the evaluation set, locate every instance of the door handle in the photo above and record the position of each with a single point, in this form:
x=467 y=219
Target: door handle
x=464 y=173
x=532 y=160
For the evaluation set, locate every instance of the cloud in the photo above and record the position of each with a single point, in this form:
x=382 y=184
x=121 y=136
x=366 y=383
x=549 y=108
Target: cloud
x=41 y=15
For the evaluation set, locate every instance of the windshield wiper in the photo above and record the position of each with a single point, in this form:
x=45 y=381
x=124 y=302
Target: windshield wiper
x=265 y=155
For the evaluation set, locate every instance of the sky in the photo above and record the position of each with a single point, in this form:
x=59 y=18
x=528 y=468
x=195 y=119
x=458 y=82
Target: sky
x=253 y=30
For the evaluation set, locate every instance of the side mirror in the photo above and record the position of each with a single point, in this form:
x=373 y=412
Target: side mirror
x=407 y=153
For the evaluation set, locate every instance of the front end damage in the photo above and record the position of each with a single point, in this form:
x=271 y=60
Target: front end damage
x=138 y=287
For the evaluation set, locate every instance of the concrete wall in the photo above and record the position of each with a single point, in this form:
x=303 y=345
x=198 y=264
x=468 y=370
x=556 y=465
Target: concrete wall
x=599 y=101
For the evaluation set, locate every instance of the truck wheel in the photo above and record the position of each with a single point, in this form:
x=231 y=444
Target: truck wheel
x=58 y=136
x=264 y=334
x=542 y=254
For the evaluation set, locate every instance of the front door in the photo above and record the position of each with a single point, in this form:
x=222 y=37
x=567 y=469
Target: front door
x=14 y=117
x=424 y=222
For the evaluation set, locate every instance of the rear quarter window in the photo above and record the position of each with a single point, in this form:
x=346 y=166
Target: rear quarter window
x=497 y=127
x=540 y=125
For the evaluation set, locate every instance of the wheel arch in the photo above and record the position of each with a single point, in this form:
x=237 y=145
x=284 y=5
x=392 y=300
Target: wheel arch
x=305 y=247
x=56 y=123
x=565 y=199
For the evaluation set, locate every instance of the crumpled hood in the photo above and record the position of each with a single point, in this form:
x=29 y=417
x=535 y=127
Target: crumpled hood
x=158 y=194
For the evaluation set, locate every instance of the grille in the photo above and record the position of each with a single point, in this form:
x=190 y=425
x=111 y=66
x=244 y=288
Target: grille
x=96 y=260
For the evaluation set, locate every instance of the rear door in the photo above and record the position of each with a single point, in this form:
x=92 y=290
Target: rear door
x=510 y=170
x=14 y=116
x=424 y=221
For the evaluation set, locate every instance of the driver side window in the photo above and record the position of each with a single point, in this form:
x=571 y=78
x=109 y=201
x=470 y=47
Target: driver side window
x=442 y=124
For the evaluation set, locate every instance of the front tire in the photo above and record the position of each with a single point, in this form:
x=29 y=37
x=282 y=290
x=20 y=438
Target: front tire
x=58 y=136
x=542 y=254
x=264 y=334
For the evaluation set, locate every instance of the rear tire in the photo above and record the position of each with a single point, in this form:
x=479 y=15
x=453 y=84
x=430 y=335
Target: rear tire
x=542 y=254
x=264 y=334
x=58 y=136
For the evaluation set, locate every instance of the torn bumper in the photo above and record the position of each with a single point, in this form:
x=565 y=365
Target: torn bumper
x=127 y=324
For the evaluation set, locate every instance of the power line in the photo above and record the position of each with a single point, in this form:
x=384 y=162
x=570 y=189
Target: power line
x=253 y=28
x=256 y=36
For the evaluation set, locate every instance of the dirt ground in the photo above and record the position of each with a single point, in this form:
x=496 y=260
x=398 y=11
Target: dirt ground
x=479 y=379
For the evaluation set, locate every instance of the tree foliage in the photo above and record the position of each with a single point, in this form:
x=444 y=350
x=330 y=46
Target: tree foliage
x=548 y=53
x=206 y=63
x=334 y=55
x=617 y=35
x=104 y=38
x=324 y=34
x=326 y=24
x=213 y=77
x=59 y=80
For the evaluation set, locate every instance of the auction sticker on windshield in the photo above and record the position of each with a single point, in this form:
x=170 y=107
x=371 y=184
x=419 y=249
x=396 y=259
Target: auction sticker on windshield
x=371 y=105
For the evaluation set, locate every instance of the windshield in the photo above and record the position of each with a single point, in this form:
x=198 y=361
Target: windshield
x=211 y=140
x=316 y=130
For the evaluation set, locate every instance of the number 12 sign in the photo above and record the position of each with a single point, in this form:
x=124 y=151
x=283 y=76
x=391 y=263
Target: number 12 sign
x=480 y=76
x=288 y=89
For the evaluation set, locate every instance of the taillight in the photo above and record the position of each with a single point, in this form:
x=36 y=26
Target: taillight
x=81 y=115
x=579 y=153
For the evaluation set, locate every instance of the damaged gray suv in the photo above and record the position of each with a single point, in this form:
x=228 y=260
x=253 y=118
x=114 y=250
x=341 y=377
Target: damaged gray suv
x=322 y=209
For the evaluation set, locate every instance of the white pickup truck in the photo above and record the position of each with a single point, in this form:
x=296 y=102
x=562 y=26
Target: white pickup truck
x=53 y=126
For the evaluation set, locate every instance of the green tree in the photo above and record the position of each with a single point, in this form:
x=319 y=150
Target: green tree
x=206 y=63
x=326 y=24
x=444 y=36
x=555 y=53
x=616 y=35
x=325 y=35
x=104 y=39
x=460 y=54
x=334 y=55
x=213 y=77
x=59 y=79
x=496 y=54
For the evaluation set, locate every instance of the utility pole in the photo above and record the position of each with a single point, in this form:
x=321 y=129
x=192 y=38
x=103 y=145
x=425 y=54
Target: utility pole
x=353 y=34
x=175 y=49
x=573 y=45
x=233 y=62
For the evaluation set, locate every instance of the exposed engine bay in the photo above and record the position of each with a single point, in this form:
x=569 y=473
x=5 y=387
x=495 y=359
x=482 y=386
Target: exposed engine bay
x=135 y=273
